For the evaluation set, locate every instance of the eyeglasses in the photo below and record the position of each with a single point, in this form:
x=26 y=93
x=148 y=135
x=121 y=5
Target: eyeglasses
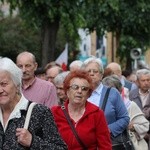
x=92 y=70
x=76 y=87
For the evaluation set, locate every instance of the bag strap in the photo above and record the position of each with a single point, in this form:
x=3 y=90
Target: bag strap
x=28 y=116
x=105 y=99
x=73 y=128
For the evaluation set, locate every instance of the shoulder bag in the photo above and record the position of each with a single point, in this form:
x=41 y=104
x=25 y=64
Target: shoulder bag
x=73 y=128
x=28 y=116
x=122 y=141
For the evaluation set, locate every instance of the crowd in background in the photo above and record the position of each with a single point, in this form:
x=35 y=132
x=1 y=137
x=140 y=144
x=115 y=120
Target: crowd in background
x=76 y=98
x=133 y=86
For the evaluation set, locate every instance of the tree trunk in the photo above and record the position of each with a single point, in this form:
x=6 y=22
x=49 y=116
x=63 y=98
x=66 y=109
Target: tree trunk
x=49 y=34
x=117 y=39
x=117 y=34
x=129 y=64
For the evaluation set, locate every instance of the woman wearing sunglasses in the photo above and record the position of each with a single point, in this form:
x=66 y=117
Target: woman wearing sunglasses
x=81 y=124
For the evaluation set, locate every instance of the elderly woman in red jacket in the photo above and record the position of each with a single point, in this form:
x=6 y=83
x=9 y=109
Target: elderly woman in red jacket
x=90 y=127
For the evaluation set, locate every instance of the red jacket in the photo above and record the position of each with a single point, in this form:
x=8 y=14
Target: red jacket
x=91 y=128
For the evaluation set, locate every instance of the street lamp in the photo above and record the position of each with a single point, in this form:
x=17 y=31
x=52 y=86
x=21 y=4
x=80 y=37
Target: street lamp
x=135 y=54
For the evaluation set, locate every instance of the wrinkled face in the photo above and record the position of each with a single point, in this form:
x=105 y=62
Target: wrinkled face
x=8 y=90
x=78 y=91
x=94 y=72
x=144 y=82
x=60 y=92
x=27 y=65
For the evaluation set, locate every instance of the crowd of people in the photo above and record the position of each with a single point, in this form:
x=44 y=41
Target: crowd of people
x=83 y=108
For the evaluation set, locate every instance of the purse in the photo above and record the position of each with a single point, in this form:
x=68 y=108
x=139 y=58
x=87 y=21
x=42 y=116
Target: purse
x=73 y=128
x=121 y=141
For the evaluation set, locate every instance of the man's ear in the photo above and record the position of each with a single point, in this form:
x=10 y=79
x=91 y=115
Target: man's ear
x=36 y=65
x=137 y=82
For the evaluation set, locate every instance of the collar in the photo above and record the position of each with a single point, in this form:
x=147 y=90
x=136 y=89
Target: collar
x=21 y=105
x=144 y=94
x=16 y=113
x=122 y=80
x=24 y=86
x=98 y=90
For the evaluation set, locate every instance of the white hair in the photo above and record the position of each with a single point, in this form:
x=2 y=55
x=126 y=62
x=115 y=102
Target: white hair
x=76 y=63
x=9 y=66
x=59 y=79
x=141 y=72
x=96 y=60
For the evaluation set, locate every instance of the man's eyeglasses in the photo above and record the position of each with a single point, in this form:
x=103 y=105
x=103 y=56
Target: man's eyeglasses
x=93 y=70
x=76 y=87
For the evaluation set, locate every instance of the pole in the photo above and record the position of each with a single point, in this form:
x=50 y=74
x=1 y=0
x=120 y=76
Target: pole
x=135 y=64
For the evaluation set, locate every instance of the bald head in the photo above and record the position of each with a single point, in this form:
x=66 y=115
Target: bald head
x=52 y=72
x=75 y=65
x=26 y=55
x=116 y=68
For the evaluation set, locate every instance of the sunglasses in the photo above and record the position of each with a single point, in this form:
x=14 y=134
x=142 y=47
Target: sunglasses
x=76 y=87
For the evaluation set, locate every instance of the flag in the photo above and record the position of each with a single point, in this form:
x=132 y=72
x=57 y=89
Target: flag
x=62 y=60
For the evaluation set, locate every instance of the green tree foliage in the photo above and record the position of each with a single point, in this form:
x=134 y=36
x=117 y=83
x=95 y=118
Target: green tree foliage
x=128 y=19
x=48 y=15
x=124 y=18
x=16 y=37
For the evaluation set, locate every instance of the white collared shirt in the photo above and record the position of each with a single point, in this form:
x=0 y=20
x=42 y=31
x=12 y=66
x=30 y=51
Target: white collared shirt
x=96 y=95
x=22 y=104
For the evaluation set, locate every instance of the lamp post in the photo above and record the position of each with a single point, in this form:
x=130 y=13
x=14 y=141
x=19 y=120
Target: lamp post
x=135 y=54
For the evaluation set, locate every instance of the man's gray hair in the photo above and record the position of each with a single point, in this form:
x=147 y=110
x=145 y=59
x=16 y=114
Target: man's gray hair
x=141 y=72
x=96 y=60
x=59 y=79
x=9 y=66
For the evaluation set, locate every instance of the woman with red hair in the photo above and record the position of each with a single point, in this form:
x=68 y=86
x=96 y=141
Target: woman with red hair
x=81 y=124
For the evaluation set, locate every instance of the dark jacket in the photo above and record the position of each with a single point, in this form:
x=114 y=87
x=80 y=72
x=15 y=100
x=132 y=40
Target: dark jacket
x=45 y=135
x=134 y=96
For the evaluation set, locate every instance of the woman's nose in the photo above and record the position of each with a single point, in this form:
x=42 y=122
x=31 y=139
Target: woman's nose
x=1 y=89
x=79 y=89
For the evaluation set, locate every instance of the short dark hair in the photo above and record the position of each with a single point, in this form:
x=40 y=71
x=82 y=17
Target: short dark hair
x=39 y=71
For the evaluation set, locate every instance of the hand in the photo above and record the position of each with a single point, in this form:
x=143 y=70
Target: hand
x=147 y=137
x=131 y=127
x=24 y=137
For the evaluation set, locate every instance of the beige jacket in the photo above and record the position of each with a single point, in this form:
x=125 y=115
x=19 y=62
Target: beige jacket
x=141 y=126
